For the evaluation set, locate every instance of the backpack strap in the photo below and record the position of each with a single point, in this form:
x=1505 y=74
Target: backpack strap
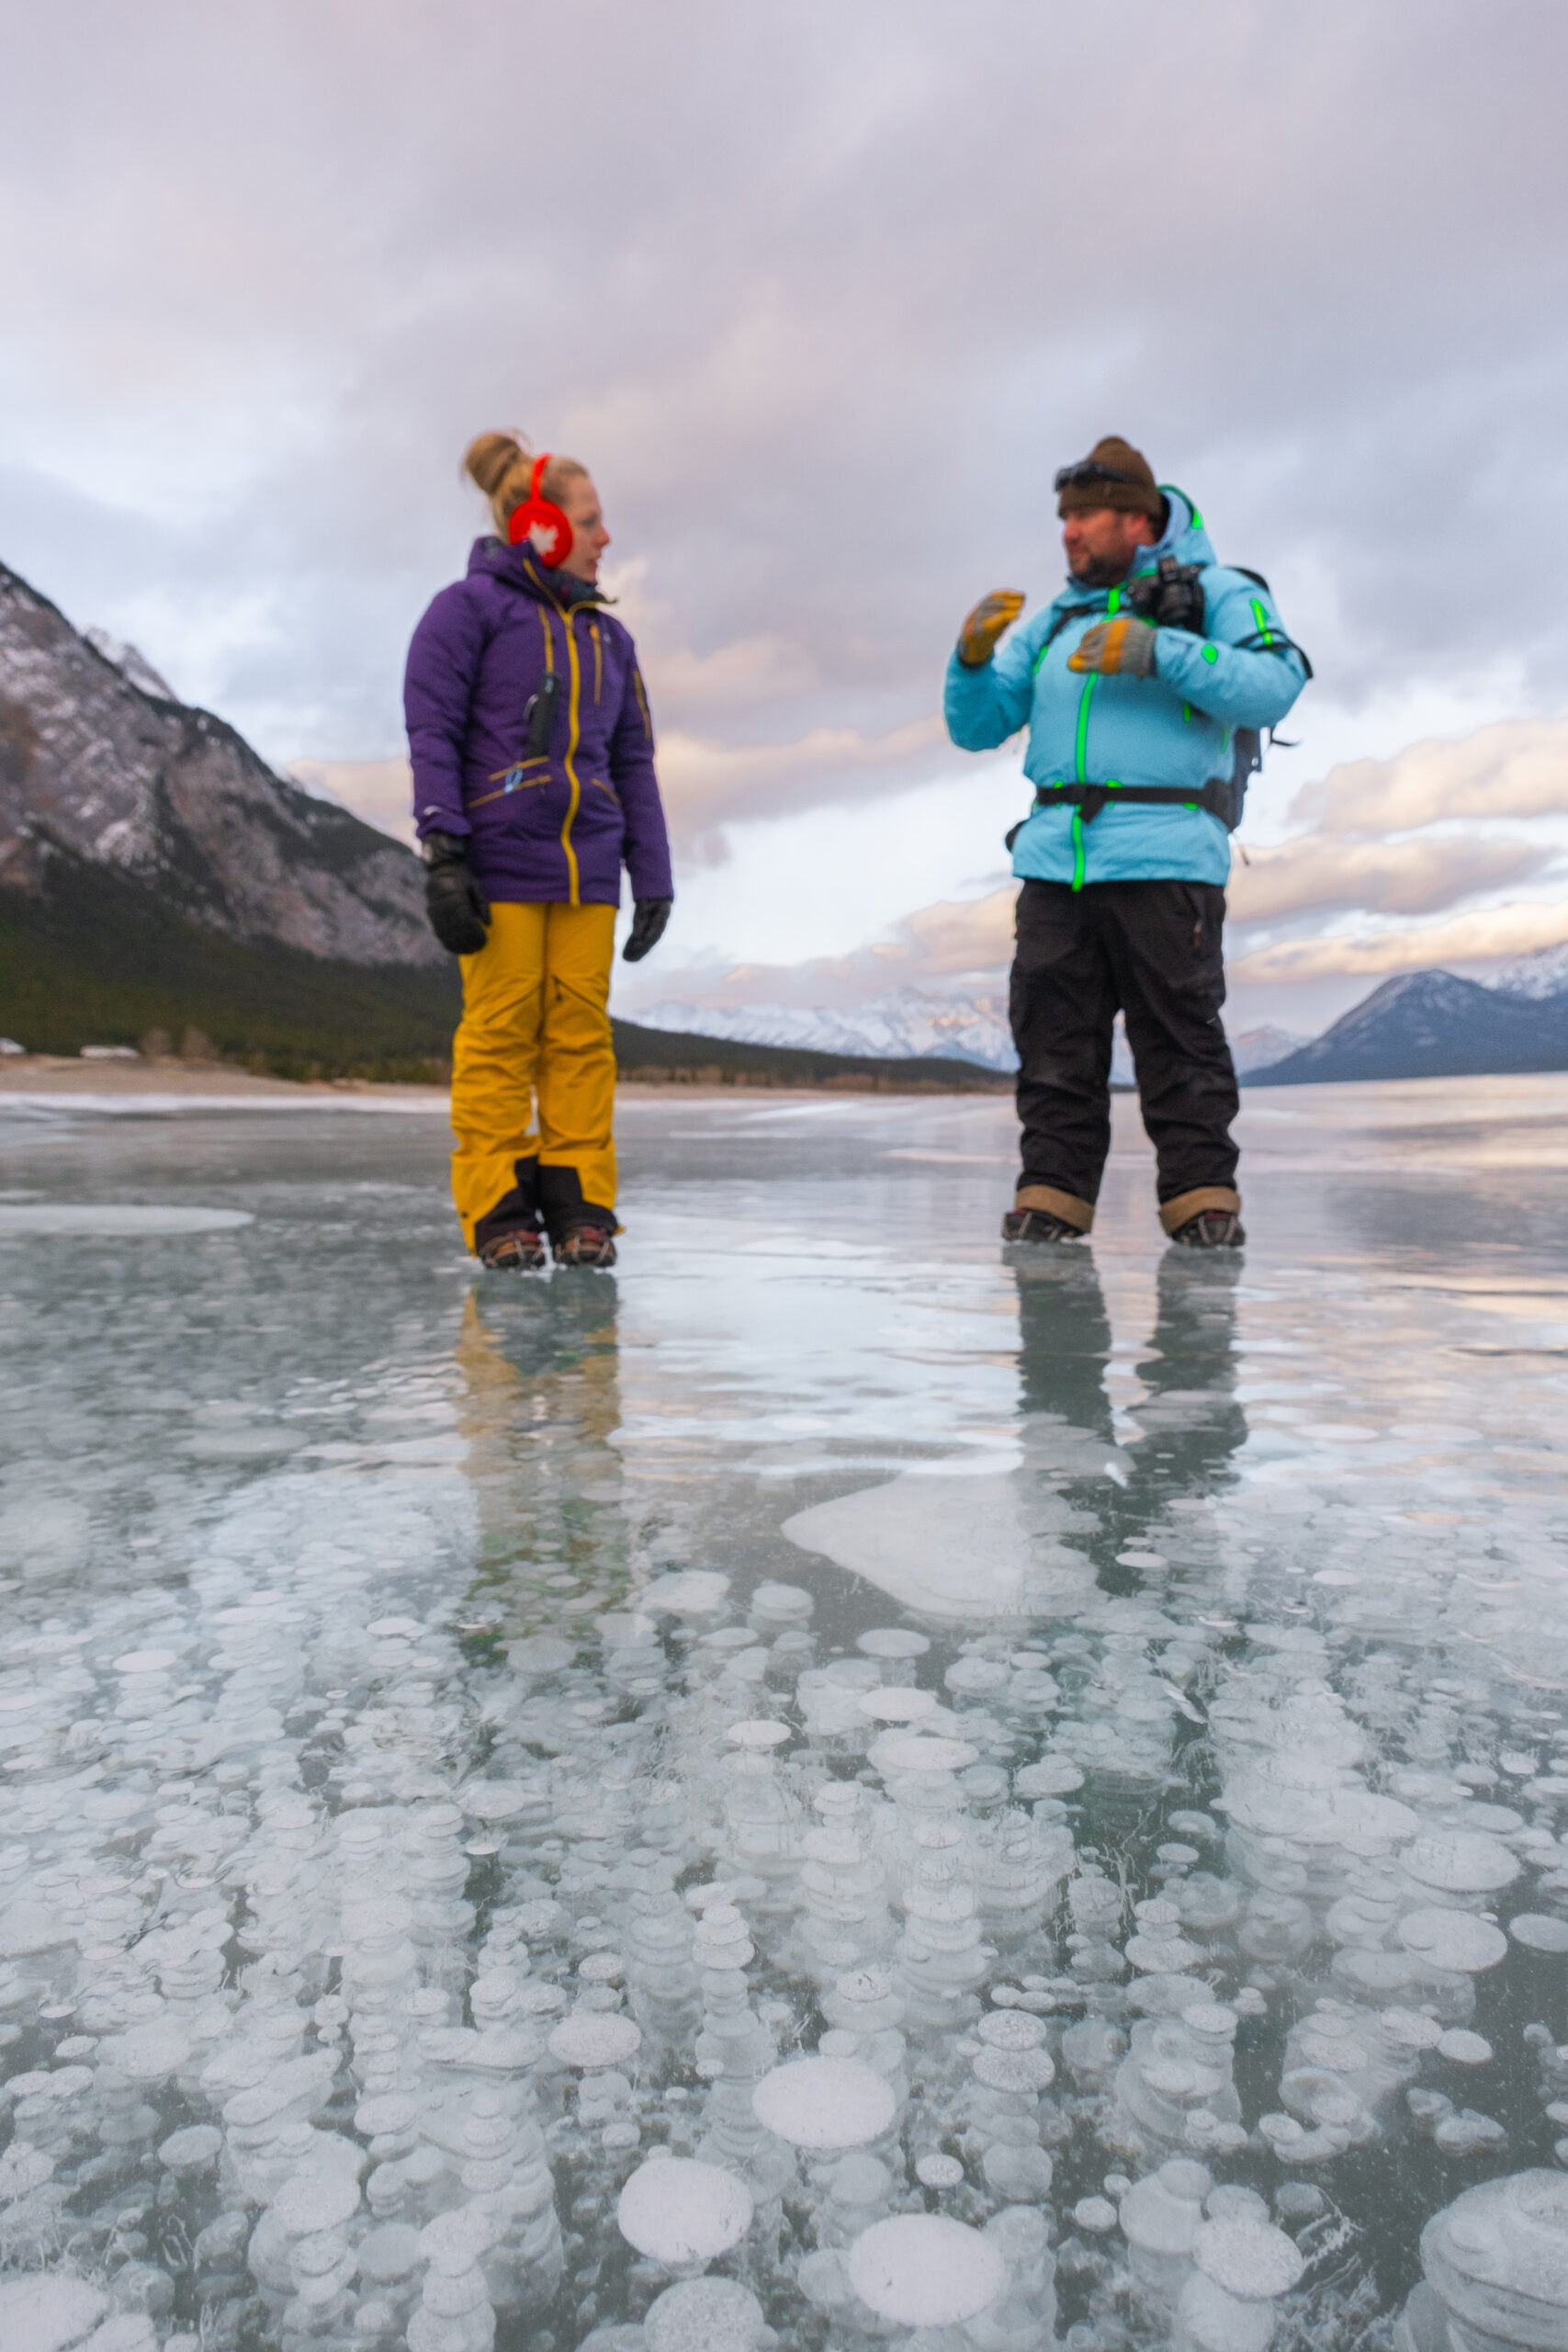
x=1070 y=613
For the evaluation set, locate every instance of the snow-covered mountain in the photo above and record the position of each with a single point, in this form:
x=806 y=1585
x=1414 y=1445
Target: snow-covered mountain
x=900 y=1022
x=1433 y=1025
x=1257 y=1049
x=1539 y=976
x=912 y=1022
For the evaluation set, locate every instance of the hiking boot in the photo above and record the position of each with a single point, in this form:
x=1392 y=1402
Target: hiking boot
x=1037 y=1225
x=585 y=1245
x=1210 y=1229
x=519 y=1252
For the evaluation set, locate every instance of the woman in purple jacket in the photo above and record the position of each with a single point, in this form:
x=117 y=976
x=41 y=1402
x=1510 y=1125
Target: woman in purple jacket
x=533 y=785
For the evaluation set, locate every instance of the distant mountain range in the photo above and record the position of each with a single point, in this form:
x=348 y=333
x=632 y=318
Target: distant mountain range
x=157 y=876
x=1433 y=1025
x=911 y=1023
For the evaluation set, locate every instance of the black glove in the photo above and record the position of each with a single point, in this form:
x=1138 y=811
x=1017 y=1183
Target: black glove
x=649 y=919
x=459 y=914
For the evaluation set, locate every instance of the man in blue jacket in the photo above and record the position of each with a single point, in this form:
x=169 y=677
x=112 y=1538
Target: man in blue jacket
x=1134 y=684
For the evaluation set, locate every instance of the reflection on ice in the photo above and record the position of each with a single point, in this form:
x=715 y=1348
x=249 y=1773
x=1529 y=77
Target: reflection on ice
x=888 y=1800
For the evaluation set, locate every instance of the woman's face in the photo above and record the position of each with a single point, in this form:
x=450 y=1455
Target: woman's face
x=580 y=505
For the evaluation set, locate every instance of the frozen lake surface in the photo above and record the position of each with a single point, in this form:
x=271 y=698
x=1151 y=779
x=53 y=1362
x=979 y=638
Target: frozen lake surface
x=825 y=1790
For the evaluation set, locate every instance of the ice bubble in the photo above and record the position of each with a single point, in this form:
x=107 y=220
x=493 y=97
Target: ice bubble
x=382 y=1916
x=1250 y=2259
x=892 y=1641
x=922 y=2270
x=1453 y=1940
x=147 y=2053
x=896 y=1706
x=1209 y=2320
x=1497 y=2259
x=29 y=1927
x=1538 y=1931
x=937 y=2171
x=782 y=1604
x=594 y=2039
x=1142 y=1560
x=704 y=2315
x=495 y=1800
x=395 y=1628
x=695 y=1592
x=1460 y=1862
x=1462 y=2048
x=1411 y=2029
x=1095 y=2214
x=976 y=1675
x=1054 y=1777
x=193 y=2149
x=46 y=2314
x=676 y=2211
x=22 y=2169
x=146 y=1661
x=313 y=2201
x=825 y=2103
x=1015 y=2070
x=758 y=1732
x=623 y=1625
x=901 y=1751
x=539 y=1654
x=1010 y=2029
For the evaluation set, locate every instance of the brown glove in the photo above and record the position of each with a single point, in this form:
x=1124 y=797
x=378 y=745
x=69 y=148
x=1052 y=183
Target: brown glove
x=1123 y=648
x=993 y=613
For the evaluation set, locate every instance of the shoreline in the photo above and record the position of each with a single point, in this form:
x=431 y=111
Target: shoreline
x=66 y=1076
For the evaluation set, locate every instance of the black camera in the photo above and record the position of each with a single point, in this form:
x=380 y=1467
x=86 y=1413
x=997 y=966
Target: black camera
x=1171 y=597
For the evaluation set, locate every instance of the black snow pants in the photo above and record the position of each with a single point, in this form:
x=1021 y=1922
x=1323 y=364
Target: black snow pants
x=1152 y=951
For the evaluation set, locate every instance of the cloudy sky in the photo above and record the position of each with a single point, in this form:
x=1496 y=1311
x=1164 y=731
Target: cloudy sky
x=823 y=294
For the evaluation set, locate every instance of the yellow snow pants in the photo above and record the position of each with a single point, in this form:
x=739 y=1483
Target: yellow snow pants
x=535 y=1025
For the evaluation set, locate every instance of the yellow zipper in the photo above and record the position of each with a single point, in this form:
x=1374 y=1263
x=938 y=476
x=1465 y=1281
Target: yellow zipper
x=572 y=806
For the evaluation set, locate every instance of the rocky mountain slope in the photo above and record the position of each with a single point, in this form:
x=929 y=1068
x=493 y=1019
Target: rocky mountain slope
x=95 y=762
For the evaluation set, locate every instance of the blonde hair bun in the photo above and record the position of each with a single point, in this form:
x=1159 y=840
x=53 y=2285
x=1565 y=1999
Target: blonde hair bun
x=500 y=463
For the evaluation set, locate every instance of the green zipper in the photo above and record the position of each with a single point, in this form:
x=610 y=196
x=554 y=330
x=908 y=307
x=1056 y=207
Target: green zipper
x=1080 y=752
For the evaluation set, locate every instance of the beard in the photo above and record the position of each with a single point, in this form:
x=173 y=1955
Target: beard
x=1099 y=571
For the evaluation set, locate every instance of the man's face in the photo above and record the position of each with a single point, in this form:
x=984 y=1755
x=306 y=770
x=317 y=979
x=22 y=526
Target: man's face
x=1101 y=541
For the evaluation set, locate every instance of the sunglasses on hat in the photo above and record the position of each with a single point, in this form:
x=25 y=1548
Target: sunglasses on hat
x=1085 y=470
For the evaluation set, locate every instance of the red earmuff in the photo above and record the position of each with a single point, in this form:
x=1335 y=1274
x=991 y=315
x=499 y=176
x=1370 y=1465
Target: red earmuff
x=553 y=544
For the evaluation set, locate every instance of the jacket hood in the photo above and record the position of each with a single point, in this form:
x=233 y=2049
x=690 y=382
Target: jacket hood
x=1184 y=536
x=520 y=566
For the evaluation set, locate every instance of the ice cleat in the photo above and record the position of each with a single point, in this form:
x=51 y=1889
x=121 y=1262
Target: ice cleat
x=1210 y=1229
x=585 y=1245
x=519 y=1250
x=1037 y=1225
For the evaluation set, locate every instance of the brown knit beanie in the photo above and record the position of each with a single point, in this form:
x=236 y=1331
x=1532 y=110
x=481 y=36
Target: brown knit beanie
x=1138 y=494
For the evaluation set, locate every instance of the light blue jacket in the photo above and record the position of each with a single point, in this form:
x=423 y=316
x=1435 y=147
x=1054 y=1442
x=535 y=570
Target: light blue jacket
x=1175 y=727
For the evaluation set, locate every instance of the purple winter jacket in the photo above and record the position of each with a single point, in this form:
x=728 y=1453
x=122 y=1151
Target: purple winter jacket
x=560 y=825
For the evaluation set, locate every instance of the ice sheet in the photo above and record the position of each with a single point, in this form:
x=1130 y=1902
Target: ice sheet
x=398 y=1860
